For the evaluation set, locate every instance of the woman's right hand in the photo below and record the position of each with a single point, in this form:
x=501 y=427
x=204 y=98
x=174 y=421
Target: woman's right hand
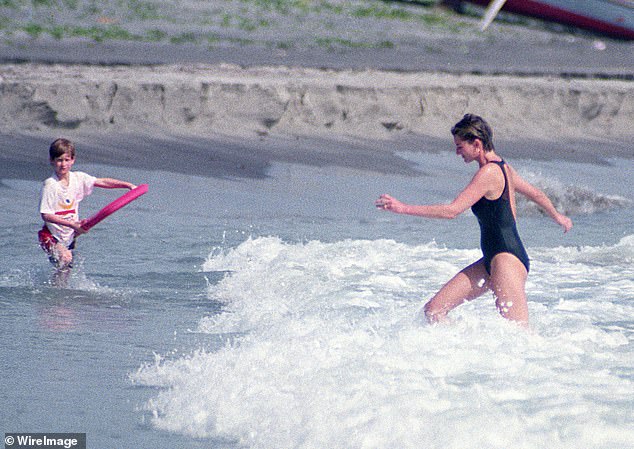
x=386 y=202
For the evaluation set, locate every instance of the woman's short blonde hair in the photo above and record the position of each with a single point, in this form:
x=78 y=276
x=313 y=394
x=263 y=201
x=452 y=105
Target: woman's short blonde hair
x=473 y=127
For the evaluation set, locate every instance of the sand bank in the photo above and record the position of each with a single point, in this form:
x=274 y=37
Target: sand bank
x=236 y=101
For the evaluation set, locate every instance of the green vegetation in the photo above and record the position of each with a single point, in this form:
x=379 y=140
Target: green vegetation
x=212 y=22
x=33 y=29
x=100 y=34
x=42 y=3
x=184 y=38
x=284 y=45
x=332 y=43
x=155 y=35
x=57 y=32
x=379 y=11
x=282 y=6
x=96 y=33
x=143 y=10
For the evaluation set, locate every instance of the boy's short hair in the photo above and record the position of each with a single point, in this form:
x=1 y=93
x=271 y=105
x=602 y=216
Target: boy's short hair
x=61 y=146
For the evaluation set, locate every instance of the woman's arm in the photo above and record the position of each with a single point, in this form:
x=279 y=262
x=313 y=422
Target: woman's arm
x=538 y=197
x=386 y=202
x=111 y=183
x=484 y=181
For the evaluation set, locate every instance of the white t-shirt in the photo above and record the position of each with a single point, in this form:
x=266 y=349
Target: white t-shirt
x=64 y=201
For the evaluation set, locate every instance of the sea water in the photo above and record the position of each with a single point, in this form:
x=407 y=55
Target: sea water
x=285 y=312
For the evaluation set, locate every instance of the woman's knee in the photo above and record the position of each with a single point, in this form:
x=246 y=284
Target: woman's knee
x=512 y=306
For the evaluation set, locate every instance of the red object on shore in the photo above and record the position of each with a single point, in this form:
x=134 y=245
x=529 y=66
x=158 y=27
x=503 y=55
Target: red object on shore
x=114 y=206
x=611 y=17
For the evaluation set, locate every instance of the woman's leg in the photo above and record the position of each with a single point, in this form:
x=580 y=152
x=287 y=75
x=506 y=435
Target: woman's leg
x=468 y=284
x=508 y=282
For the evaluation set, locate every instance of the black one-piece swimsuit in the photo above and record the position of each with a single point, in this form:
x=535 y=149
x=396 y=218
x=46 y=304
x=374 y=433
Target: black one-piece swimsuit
x=498 y=231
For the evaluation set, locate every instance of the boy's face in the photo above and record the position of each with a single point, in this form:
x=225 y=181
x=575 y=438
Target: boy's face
x=63 y=164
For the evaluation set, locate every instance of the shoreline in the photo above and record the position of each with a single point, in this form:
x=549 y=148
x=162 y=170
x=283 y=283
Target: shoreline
x=238 y=158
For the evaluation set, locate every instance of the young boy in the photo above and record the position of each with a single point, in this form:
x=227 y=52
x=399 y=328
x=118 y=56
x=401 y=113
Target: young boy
x=59 y=205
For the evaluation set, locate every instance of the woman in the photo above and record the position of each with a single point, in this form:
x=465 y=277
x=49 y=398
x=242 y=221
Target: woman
x=491 y=195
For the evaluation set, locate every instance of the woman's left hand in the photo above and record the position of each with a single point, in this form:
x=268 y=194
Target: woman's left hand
x=564 y=222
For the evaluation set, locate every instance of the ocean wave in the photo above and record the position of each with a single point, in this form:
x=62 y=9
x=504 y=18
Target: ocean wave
x=570 y=199
x=328 y=349
x=619 y=256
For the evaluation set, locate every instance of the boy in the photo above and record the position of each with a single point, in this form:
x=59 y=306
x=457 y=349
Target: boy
x=59 y=205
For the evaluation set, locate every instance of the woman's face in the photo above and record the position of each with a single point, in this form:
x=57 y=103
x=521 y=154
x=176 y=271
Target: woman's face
x=468 y=151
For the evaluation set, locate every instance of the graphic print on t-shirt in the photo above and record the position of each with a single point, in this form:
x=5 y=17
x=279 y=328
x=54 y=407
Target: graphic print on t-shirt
x=67 y=206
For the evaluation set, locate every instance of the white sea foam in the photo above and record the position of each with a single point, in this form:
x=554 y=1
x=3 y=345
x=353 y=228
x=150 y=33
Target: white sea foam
x=325 y=347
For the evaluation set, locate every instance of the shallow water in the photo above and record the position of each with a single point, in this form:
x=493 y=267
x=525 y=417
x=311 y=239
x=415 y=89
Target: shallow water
x=285 y=312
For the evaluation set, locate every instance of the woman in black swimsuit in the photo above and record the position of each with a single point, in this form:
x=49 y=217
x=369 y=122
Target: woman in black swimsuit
x=491 y=195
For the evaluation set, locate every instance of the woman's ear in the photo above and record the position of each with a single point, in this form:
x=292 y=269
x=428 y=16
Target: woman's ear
x=478 y=145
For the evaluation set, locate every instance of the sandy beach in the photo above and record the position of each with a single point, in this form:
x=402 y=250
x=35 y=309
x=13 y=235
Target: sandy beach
x=346 y=84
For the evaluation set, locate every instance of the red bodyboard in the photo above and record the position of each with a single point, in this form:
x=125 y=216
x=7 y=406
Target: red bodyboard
x=114 y=206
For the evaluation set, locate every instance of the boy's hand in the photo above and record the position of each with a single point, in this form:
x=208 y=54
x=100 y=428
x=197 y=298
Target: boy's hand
x=76 y=225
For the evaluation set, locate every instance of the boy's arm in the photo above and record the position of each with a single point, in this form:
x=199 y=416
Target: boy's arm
x=111 y=183
x=52 y=218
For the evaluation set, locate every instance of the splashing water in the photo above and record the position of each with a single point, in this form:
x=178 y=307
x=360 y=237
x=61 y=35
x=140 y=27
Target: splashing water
x=325 y=347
